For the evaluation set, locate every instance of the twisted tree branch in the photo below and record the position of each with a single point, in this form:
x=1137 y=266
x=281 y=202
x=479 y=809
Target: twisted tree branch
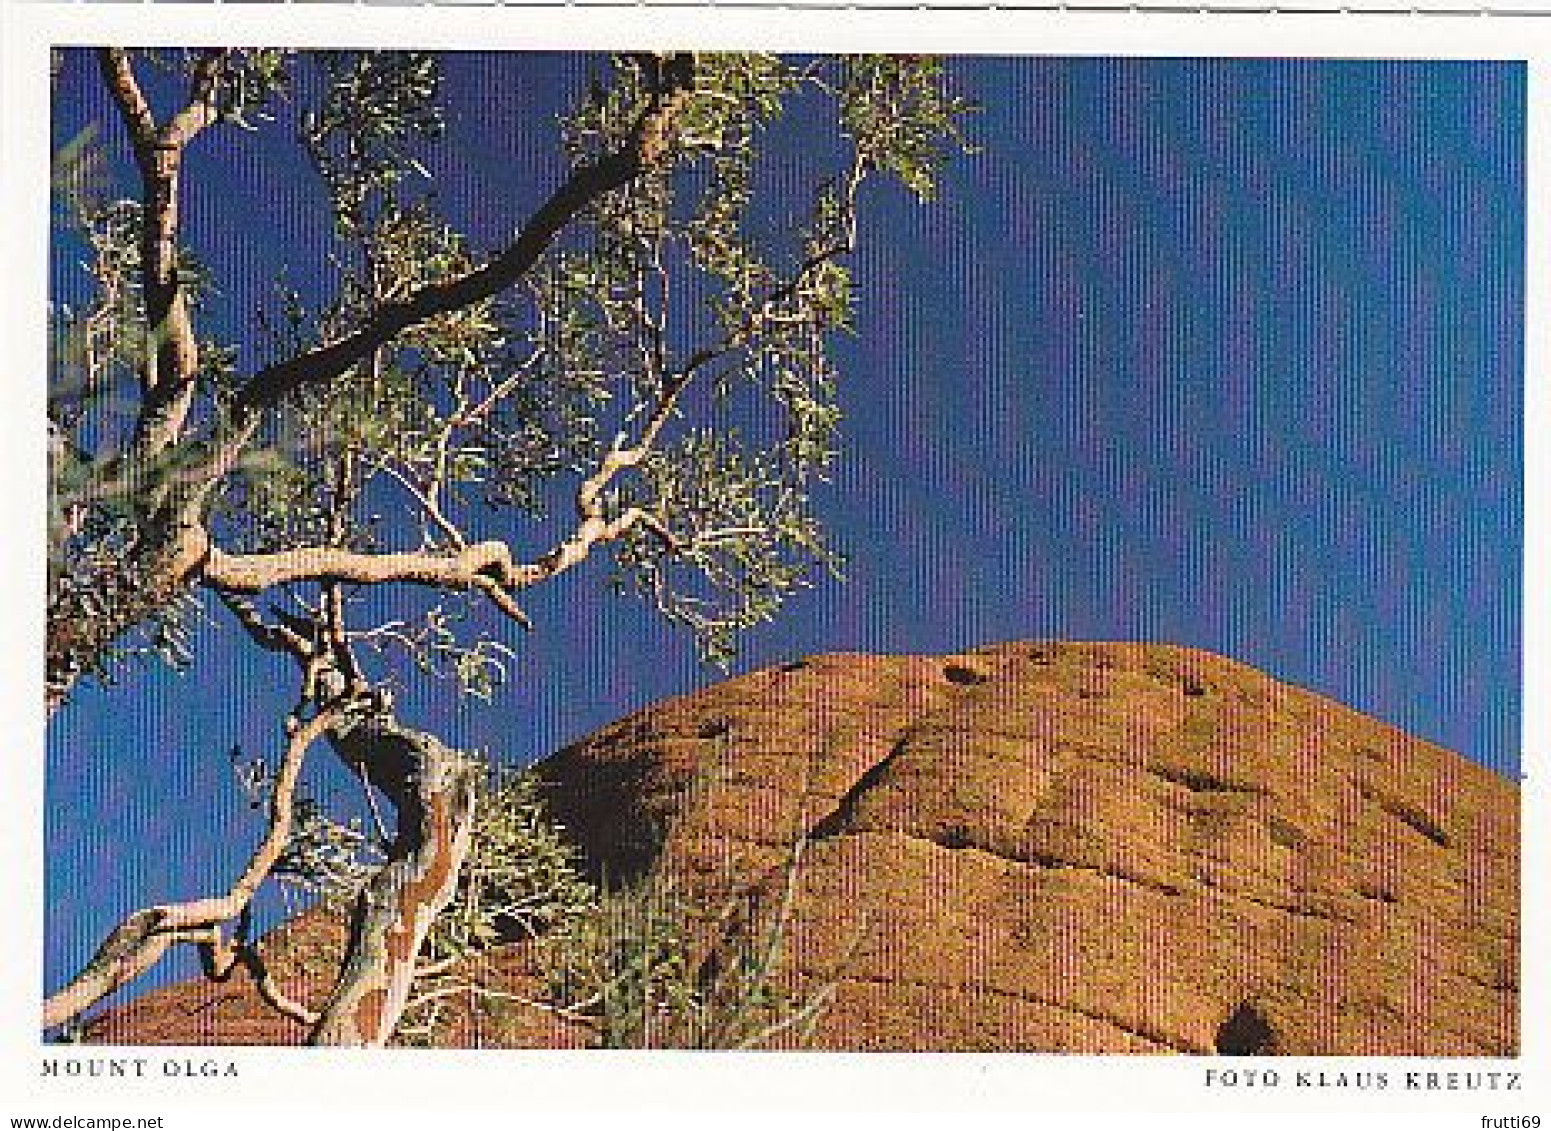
x=172 y=353
x=139 y=942
x=219 y=958
x=168 y=380
x=585 y=185
x=486 y=567
x=118 y=76
x=432 y=790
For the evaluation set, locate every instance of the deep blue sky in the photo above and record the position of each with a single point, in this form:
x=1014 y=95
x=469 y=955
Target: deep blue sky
x=1220 y=352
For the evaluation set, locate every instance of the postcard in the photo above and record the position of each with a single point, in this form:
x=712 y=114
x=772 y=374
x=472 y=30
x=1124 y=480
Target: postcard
x=694 y=561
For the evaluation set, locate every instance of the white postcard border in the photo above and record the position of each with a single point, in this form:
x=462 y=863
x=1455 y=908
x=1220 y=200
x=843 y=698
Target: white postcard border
x=400 y=1087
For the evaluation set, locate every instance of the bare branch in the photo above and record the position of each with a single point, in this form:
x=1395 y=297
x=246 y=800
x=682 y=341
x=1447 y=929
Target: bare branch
x=470 y=414
x=485 y=566
x=220 y=958
x=589 y=534
x=145 y=133
x=172 y=353
x=118 y=75
x=270 y=990
x=139 y=942
x=586 y=184
x=270 y=637
x=371 y=802
x=436 y=969
x=201 y=110
x=428 y=503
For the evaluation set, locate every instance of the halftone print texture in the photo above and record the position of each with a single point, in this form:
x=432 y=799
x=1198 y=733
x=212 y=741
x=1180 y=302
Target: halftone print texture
x=1164 y=695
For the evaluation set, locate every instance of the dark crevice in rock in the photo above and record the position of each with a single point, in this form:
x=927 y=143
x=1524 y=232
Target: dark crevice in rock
x=957 y=838
x=1051 y=863
x=1246 y=1032
x=1142 y=881
x=954 y=837
x=1197 y=781
x=1176 y=677
x=840 y=819
x=1286 y=909
x=1417 y=820
x=1495 y=985
x=1043 y=860
x=964 y=677
x=1285 y=834
x=1377 y=894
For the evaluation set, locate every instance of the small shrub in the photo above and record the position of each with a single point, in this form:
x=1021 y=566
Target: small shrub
x=656 y=965
x=521 y=879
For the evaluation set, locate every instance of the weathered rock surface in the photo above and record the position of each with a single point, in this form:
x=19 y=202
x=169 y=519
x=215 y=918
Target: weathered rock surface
x=1095 y=848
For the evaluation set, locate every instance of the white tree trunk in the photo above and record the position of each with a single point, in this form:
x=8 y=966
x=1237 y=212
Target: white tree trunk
x=432 y=788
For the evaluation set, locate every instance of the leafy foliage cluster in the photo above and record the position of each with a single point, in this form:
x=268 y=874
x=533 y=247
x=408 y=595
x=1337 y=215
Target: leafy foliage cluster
x=522 y=878
x=679 y=278
x=644 y=372
x=658 y=965
x=521 y=882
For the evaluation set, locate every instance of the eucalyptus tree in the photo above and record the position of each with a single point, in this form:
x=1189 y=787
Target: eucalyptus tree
x=592 y=358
